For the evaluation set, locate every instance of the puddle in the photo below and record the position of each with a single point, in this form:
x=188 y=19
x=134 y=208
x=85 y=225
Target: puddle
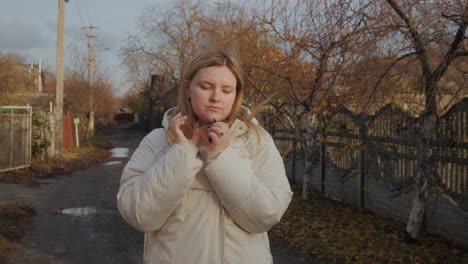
x=119 y=152
x=76 y=211
x=110 y=163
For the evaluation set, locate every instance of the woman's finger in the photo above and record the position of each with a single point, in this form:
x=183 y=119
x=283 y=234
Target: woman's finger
x=175 y=119
x=195 y=136
x=176 y=123
x=218 y=130
x=211 y=129
x=180 y=120
x=213 y=138
x=221 y=125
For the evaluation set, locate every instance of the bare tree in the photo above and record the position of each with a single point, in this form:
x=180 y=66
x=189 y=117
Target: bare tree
x=324 y=35
x=168 y=38
x=12 y=77
x=431 y=36
x=77 y=92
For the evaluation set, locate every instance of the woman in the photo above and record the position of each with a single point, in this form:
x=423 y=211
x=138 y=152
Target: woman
x=208 y=186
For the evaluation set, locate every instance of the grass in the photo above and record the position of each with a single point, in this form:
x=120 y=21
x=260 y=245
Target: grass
x=74 y=159
x=334 y=232
x=15 y=220
x=99 y=141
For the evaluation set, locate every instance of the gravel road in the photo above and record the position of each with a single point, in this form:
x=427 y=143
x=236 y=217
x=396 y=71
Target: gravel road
x=99 y=237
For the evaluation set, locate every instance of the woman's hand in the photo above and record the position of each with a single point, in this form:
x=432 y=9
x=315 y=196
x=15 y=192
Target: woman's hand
x=176 y=123
x=219 y=136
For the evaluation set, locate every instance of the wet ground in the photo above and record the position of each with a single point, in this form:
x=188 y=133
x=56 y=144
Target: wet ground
x=78 y=221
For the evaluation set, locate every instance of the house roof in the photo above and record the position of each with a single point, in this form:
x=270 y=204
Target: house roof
x=412 y=103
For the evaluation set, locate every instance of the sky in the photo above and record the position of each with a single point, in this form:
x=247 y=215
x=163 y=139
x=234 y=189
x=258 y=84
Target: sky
x=29 y=28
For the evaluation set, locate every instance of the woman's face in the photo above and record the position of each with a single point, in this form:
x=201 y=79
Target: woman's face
x=212 y=93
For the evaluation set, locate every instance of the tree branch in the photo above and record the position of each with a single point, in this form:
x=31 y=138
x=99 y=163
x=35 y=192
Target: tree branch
x=291 y=86
x=452 y=53
x=461 y=53
x=417 y=40
x=319 y=74
x=453 y=18
x=385 y=74
x=278 y=108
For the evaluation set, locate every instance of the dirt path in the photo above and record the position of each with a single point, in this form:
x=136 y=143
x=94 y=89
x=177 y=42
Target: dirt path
x=101 y=237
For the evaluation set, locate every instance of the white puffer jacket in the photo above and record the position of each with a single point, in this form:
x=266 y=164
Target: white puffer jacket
x=205 y=208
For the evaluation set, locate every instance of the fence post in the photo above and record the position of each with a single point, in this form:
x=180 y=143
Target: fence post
x=29 y=142
x=362 y=156
x=11 y=138
x=293 y=180
x=272 y=130
x=50 y=133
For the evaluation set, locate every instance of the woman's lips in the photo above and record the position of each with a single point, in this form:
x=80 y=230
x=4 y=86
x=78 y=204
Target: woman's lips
x=214 y=108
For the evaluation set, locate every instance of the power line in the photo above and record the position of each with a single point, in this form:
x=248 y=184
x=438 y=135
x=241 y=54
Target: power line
x=74 y=39
x=82 y=22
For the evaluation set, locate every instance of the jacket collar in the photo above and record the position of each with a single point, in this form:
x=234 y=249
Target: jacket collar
x=167 y=116
x=237 y=128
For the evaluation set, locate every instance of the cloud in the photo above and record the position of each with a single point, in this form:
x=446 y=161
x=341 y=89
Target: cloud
x=107 y=39
x=77 y=35
x=18 y=36
x=70 y=31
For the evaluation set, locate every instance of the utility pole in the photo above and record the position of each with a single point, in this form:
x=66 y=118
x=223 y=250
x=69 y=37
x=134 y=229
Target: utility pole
x=91 y=82
x=59 y=81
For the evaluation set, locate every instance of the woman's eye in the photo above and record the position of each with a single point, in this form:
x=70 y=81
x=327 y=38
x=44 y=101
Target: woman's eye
x=227 y=91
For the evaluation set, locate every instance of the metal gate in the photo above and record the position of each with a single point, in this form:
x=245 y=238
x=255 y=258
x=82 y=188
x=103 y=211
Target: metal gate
x=15 y=137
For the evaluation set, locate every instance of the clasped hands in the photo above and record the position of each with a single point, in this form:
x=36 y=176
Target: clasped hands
x=218 y=133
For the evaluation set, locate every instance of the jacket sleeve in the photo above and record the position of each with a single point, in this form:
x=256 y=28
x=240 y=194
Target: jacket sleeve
x=256 y=192
x=154 y=182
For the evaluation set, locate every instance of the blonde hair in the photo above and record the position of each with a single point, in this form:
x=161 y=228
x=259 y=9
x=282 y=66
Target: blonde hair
x=209 y=58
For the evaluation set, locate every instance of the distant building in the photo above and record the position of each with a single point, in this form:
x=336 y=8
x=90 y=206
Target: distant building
x=411 y=102
x=29 y=77
x=29 y=81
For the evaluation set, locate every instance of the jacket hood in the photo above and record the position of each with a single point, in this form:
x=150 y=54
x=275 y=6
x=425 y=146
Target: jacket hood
x=167 y=117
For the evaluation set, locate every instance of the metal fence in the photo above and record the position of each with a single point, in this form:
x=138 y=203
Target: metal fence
x=15 y=137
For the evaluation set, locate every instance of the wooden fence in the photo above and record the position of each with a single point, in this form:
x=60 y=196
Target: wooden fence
x=371 y=161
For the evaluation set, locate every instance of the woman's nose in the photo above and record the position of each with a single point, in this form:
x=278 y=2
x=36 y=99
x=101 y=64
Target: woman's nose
x=215 y=95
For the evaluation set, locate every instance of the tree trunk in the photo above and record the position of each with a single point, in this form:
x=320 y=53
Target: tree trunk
x=416 y=218
x=91 y=124
x=307 y=148
x=86 y=126
x=306 y=179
